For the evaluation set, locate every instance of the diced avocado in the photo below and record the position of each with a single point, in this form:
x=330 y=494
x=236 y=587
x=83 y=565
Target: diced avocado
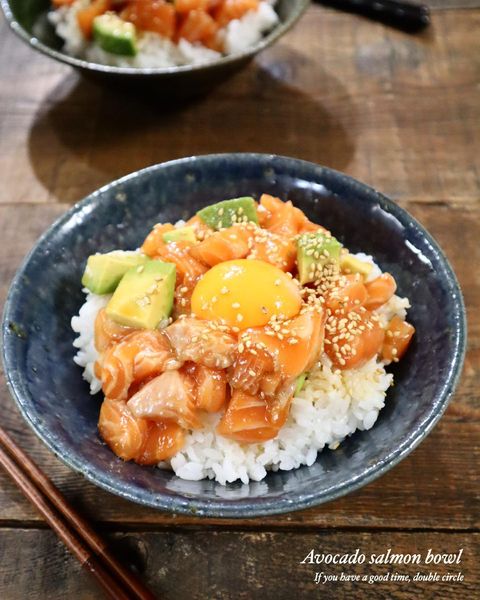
x=351 y=264
x=184 y=234
x=104 y=271
x=144 y=296
x=229 y=212
x=115 y=35
x=300 y=383
x=314 y=252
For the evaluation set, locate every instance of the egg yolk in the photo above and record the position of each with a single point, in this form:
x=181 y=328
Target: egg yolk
x=245 y=293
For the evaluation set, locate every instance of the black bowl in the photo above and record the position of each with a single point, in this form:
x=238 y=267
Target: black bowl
x=46 y=292
x=28 y=19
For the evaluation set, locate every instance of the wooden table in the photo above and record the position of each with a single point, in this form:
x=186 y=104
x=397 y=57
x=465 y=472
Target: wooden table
x=399 y=112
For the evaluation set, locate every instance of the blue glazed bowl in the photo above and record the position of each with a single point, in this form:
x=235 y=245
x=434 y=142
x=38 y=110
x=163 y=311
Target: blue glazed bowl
x=46 y=292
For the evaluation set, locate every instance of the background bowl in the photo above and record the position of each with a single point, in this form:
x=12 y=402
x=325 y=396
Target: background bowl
x=28 y=19
x=46 y=293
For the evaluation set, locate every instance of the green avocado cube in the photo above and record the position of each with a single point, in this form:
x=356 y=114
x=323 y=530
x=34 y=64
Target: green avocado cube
x=351 y=264
x=314 y=252
x=115 y=35
x=103 y=272
x=144 y=296
x=300 y=383
x=229 y=212
x=182 y=234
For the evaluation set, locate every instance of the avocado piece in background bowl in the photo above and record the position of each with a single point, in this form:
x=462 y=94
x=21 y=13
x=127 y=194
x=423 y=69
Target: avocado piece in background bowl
x=115 y=35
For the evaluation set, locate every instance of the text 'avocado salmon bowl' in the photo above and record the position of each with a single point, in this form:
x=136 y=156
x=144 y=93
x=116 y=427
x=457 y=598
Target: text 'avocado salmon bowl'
x=256 y=334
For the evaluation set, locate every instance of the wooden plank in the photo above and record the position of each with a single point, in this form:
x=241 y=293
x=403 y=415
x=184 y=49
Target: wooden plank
x=194 y=565
x=423 y=491
x=400 y=112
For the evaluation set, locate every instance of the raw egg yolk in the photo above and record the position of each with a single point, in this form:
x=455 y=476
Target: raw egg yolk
x=245 y=293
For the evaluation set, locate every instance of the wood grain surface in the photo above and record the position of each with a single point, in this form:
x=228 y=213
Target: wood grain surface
x=399 y=112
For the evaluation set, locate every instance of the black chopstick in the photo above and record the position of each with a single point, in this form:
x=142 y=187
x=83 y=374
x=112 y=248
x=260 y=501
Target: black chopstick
x=407 y=16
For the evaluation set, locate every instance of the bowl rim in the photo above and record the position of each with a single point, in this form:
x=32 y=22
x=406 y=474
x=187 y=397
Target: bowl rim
x=235 y=508
x=86 y=65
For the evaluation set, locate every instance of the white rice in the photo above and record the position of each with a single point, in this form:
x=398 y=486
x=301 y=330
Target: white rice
x=84 y=325
x=157 y=51
x=332 y=405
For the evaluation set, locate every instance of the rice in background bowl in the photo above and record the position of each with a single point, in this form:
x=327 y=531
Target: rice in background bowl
x=156 y=51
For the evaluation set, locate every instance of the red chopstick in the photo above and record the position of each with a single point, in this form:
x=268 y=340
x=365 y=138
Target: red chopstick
x=118 y=582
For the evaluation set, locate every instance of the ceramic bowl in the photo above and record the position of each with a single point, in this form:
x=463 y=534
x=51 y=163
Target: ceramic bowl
x=28 y=19
x=48 y=387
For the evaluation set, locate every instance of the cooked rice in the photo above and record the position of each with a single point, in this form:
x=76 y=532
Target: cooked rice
x=155 y=51
x=332 y=405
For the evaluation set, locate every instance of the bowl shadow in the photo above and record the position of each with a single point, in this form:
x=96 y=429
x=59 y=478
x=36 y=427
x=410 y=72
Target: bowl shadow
x=84 y=134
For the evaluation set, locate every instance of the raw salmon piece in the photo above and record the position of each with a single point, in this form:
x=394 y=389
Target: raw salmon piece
x=246 y=419
x=195 y=340
x=124 y=433
x=182 y=300
x=380 y=290
x=107 y=331
x=197 y=26
x=349 y=293
x=141 y=354
x=283 y=220
x=179 y=253
x=233 y=9
x=308 y=330
x=117 y=370
x=211 y=388
x=304 y=224
x=263 y=215
x=151 y=15
x=154 y=241
x=163 y=440
x=278 y=404
x=154 y=354
x=97 y=369
x=86 y=16
x=270 y=383
x=353 y=338
x=200 y=227
x=398 y=336
x=271 y=204
x=185 y=6
x=250 y=367
x=228 y=244
x=168 y=396
x=274 y=249
x=296 y=346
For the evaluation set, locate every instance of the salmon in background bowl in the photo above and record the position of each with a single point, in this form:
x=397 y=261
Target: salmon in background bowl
x=47 y=292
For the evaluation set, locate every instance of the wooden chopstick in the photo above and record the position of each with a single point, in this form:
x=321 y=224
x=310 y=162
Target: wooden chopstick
x=117 y=581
